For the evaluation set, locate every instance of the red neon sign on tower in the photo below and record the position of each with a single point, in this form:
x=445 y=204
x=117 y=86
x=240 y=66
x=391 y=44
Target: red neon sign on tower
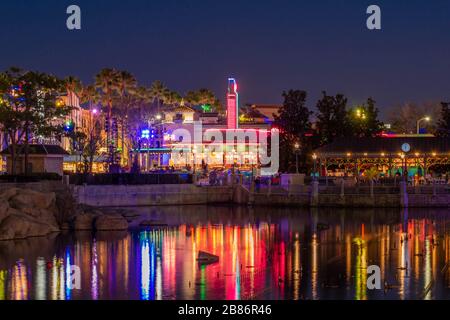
x=232 y=104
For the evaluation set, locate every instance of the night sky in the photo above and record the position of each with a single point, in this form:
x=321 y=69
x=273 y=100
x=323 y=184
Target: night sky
x=269 y=46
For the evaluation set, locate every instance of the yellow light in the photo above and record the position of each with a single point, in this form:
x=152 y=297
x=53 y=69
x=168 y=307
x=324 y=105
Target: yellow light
x=382 y=154
x=365 y=154
x=349 y=154
x=417 y=154
x=434 y=154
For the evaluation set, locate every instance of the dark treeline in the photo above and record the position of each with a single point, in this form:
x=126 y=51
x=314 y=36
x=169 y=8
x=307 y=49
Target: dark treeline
x=334 y=118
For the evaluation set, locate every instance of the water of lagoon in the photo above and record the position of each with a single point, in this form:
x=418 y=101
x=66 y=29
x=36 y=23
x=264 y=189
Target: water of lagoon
x=264 y=254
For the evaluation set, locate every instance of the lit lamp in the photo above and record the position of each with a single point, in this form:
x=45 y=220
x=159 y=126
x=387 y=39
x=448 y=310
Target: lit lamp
x=360 y=113
x=297 y=148
x=59 y=103
x=427 y=119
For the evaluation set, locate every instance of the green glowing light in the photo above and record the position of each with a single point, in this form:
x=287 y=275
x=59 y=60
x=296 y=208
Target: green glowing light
x=206 y=108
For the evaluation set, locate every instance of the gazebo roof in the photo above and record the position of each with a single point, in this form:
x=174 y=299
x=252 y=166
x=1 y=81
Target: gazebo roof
x=184 y=109
x=386 y=145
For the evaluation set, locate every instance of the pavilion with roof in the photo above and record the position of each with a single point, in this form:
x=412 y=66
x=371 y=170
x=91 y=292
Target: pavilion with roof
x=390 y=154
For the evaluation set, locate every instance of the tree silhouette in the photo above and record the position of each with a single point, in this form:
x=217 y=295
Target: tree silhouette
x=293 y=122
x=332 y=118
x=444 y=123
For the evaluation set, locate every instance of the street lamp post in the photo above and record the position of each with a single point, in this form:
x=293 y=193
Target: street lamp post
x=404 y=166
x=419 y=121
x=297 y=148
x=194 y=153
x=315 y=161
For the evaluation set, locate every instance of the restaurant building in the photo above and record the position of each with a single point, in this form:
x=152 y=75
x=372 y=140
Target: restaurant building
x=173 y=142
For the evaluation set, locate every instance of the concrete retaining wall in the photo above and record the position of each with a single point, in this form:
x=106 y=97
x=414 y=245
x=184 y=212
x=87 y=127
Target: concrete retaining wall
x=360 y=201
x=154 y=195
x=281 y=200
x=151 y=195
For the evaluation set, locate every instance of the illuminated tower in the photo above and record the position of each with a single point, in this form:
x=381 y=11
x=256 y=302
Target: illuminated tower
x=232 y=104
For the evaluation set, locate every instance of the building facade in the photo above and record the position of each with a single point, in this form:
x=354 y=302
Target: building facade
x=189 y=139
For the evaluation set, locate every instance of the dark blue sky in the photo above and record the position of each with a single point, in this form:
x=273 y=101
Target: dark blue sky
x=268 y=45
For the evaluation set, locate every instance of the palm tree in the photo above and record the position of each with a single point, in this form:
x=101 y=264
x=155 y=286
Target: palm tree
x=139 y=110
x=203 y=96
x=73 y=85
x=106 y=82
x=126 y=86
x=90 y=95
x=159 y=93
x=173 y=99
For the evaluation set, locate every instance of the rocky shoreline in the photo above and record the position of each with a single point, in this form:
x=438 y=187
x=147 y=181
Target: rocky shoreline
x=26 y=213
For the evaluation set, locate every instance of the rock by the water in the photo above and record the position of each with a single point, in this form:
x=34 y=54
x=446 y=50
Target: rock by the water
x=21 y=226
x=26 y=213
x=4 y=207
x=28 y=198
x=83 y=221
x=111 y=223
x=65 y=226
x=8 y=194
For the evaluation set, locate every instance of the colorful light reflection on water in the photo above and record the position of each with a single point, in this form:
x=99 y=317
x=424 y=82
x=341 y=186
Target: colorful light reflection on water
x=288 y=255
